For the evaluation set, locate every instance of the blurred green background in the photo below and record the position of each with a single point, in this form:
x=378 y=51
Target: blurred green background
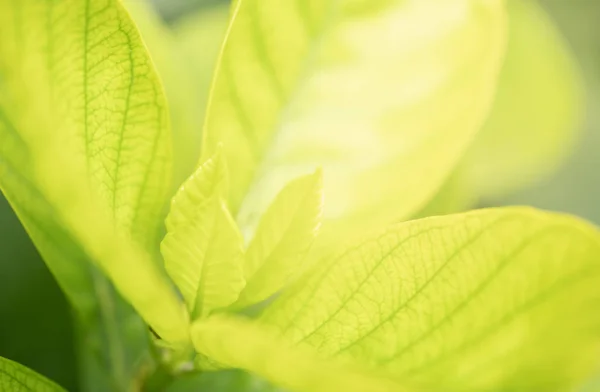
x=35 y=321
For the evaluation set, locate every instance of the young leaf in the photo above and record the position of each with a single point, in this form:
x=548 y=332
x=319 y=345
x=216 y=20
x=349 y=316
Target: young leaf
x=205 y=259
x=284 y=236
x=537 y=111
x=203 y=249
x=237 y=343
x=352 y=86
x=17 y=378
x=86 y=104
x=207 y=182
x=500 y=299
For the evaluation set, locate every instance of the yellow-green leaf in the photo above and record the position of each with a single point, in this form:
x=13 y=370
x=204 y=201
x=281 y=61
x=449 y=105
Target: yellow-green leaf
x=203 y=249
x=384 y=95
x=208 y=181
x=205 y=259
x=108 y=325
x=81 y=67
x=499 y=299
x=537 y=111
x=83 y=98
x=283 y=237
x=40 y=218
x=238 y=343
x=17 y=378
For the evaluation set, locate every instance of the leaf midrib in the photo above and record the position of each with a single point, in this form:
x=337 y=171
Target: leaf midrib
x=200 y=292
x=284 y=233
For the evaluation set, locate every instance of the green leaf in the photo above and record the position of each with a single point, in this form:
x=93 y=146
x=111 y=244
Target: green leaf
x=283 y=238
x=207 y=182
x=499 y=299
x=203 y=249
x=40 y=218
x=237 y=343
x=185 y=56
x=384 y=95
x=111 y=331
x=61 y=56
x=81 y=95
x=205 y=260
x=537 y=112
x=17 y=378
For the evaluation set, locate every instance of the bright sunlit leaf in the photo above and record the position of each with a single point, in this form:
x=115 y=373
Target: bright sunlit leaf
x=101 y=92
x=17 y=378
x=499 y=299
x=40 y=219
x=207 y=182
x=205 y=259
x=372 y=105
x=384 y=95
x=242 y=344
x=87 y=290
x=203 y=249
x=283 y=237
x=87 y=110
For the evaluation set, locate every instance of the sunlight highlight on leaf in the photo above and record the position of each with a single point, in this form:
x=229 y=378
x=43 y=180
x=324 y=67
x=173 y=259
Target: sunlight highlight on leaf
x=384 y=95
x=203 y=249
x=242 y=344
x=499 y=299
x=88 y=107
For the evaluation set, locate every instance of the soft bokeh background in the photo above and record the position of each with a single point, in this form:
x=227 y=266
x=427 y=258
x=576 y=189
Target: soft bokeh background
x=35 y=322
